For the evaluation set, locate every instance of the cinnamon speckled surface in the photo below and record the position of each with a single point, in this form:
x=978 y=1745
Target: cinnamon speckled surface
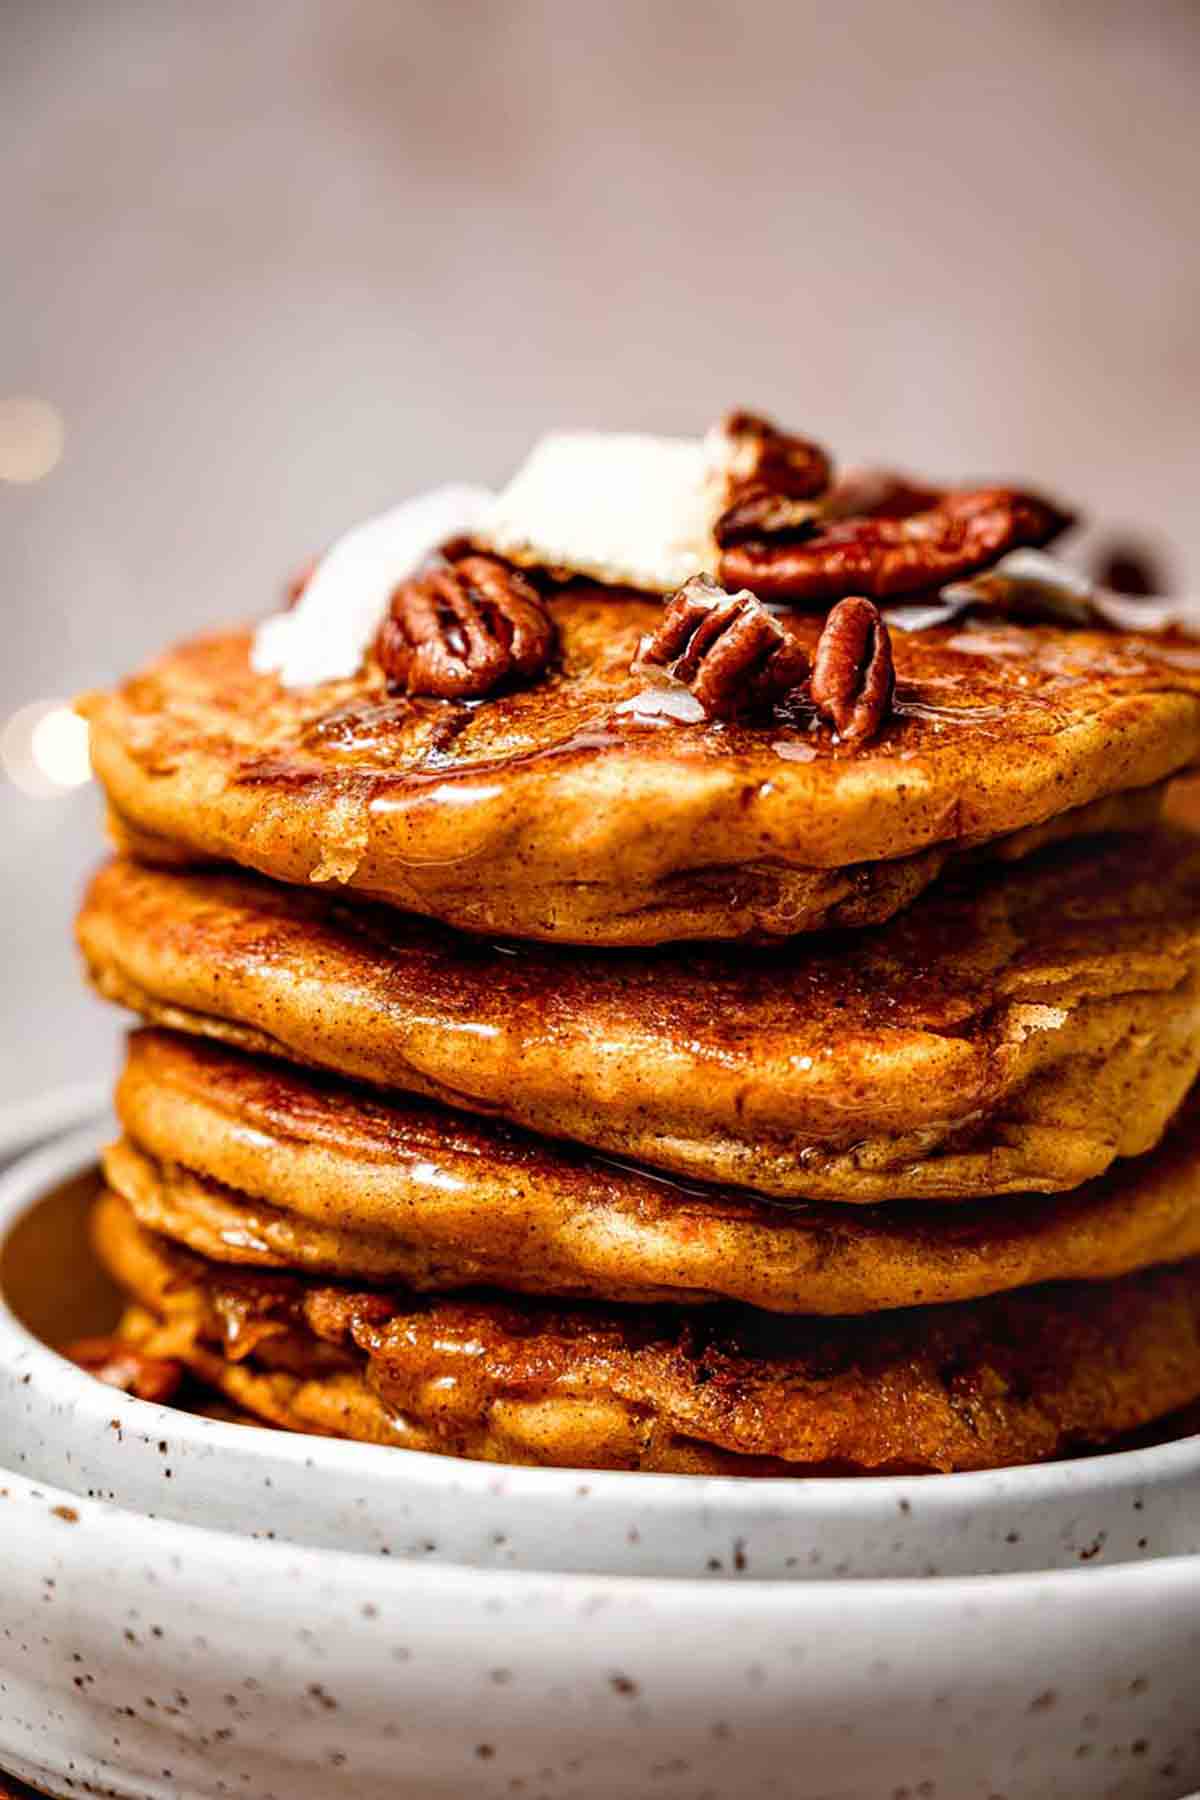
x=1011 y=1031
x=562 y=811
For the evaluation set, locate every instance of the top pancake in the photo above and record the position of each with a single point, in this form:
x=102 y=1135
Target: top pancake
x=551 y=813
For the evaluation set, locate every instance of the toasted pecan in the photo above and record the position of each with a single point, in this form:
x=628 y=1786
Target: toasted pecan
x=461 y=630
x=727 y=648
x=771 y=480
x=882 y=556
x=853 y=674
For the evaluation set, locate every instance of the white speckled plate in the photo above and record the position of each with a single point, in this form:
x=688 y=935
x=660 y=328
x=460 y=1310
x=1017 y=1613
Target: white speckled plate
x=157 y=1661
x=59 y=1426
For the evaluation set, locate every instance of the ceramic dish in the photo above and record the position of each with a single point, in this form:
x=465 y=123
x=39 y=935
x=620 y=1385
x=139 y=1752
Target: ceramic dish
x=57 y=1425
x=143 y=1658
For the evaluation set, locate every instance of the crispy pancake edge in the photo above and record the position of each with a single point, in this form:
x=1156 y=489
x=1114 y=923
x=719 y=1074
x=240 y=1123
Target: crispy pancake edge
x=256 y=1165
x=1010 y=1032
x=549 y=816
x=1016 y=1379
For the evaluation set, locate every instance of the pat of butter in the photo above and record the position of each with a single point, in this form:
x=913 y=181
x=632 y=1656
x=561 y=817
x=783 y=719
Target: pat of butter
x=623 y=508
x=327 y=634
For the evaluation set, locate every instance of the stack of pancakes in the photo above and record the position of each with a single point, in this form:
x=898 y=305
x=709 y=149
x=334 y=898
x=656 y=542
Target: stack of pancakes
x=556 y=1079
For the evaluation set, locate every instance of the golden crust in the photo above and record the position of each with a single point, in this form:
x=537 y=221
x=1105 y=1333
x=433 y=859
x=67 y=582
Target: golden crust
x=547 y=813
x=1013 y=1379
x=251 y=1164
x=1008 y=1033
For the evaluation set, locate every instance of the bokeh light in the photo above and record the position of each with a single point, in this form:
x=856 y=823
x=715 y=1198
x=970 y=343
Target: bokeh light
x=32 y=435
x=44 y=749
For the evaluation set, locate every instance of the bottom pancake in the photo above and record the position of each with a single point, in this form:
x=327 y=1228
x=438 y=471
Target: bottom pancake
x=1018 y=1378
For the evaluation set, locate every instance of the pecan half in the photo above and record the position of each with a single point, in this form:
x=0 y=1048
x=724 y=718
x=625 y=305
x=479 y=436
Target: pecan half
x=120 y=1365
x=853 y=674
x=730 y=651
x=881 y=556
x=770 y=479
x=460 y=630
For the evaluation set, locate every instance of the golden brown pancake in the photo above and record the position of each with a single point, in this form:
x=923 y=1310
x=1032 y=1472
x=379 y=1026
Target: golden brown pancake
x=551 y=813
x=1013 y=1031
x=1014 y=1379
x=250 y=1164
x=1182 y=807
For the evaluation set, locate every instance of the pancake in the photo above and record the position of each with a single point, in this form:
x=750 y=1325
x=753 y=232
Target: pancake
x=579 y=809
x=1009 y=1032
x=1182 y=806
x=1020 y=1378
x=252 y=1165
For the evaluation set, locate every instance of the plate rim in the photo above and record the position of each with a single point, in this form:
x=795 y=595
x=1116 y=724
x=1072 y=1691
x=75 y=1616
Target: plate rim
x=873 y=1498
x=895 y=1591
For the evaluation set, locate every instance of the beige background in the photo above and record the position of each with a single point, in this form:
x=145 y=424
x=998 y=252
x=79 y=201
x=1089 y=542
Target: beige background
x=277 y=263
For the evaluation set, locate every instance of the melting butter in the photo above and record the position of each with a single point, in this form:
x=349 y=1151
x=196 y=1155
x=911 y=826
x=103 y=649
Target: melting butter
x=327 y=634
